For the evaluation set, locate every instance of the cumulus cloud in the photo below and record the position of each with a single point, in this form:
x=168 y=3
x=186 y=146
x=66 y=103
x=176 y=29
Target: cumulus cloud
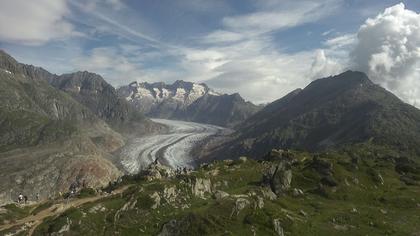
x=323 y=66
x=34 y=22
x=388 y=49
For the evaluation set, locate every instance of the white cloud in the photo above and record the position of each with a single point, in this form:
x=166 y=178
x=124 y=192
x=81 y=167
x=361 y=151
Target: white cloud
x=323 y=66
x=244 y=57
x=280 y=15
x=34 y=22
x=341 y=41
x=388 y=49
x=222 y=36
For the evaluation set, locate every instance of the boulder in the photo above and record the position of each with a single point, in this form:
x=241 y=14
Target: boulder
x=200 y=187
x=297 y=192
x=169 y=229
x=278 y=177
x=170 y=194
x=156 y=198
x=259 y=203
x=323 y=167
x=268 y=194
x=240 y=204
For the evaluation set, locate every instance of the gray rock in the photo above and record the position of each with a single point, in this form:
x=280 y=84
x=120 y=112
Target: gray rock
x=220 y=195
x=279 y=177
x=240 y=204
x=277 y=227
x=200 y=187
x=169 y=229
x=268 y=193
x=260 y=202
x=156 y=198
x=170 y=194
x=297 y=192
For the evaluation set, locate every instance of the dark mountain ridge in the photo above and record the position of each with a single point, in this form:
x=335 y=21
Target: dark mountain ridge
x=328 y=113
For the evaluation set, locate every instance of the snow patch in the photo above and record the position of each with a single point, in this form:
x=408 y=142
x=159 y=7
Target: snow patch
x=143 y=92
x=8 y=72
x=180 y=94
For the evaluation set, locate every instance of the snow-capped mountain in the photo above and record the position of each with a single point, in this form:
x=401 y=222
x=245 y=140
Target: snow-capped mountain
x=153 y=94
x=151 y=97
x=185 y=101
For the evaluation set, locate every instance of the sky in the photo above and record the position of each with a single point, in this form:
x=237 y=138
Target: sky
x=261 y=49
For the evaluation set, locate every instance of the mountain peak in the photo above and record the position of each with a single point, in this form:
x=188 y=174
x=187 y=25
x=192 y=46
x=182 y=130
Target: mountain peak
x=345 y=79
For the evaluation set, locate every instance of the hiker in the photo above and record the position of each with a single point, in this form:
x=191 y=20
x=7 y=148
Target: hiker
x=37 y=196
x=20 y=198
x=26 y=198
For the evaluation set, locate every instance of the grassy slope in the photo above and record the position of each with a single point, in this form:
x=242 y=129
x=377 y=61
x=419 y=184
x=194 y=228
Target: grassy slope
x=363 y=208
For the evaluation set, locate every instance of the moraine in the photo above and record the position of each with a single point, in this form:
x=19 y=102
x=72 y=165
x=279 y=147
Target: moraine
x=172 y=148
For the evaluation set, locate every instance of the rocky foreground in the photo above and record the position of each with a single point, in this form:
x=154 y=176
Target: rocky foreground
x=360 y=190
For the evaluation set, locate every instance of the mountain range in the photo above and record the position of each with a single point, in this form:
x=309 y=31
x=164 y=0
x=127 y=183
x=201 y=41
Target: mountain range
x=332 y=112
x=188 y=101
x=339 y=156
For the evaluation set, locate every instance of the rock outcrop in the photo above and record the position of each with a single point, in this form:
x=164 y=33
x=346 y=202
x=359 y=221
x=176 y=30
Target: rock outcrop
x=278 y=177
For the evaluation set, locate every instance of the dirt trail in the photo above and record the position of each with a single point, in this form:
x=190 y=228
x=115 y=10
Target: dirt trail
x=34 y=220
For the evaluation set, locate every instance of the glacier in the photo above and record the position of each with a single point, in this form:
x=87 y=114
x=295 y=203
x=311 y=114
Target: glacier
x=172 y=148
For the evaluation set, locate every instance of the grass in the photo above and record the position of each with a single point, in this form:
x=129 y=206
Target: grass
x=358 y=205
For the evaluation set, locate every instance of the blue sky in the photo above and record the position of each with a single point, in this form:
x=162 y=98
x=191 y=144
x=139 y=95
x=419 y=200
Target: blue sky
x=261 y=49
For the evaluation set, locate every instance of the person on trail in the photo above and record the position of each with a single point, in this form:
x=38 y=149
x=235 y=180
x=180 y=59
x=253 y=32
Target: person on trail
x=20 y=198
x=37 y=196
x=26 y=198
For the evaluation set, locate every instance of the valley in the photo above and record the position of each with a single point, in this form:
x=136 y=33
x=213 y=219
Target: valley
x=171 y=148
